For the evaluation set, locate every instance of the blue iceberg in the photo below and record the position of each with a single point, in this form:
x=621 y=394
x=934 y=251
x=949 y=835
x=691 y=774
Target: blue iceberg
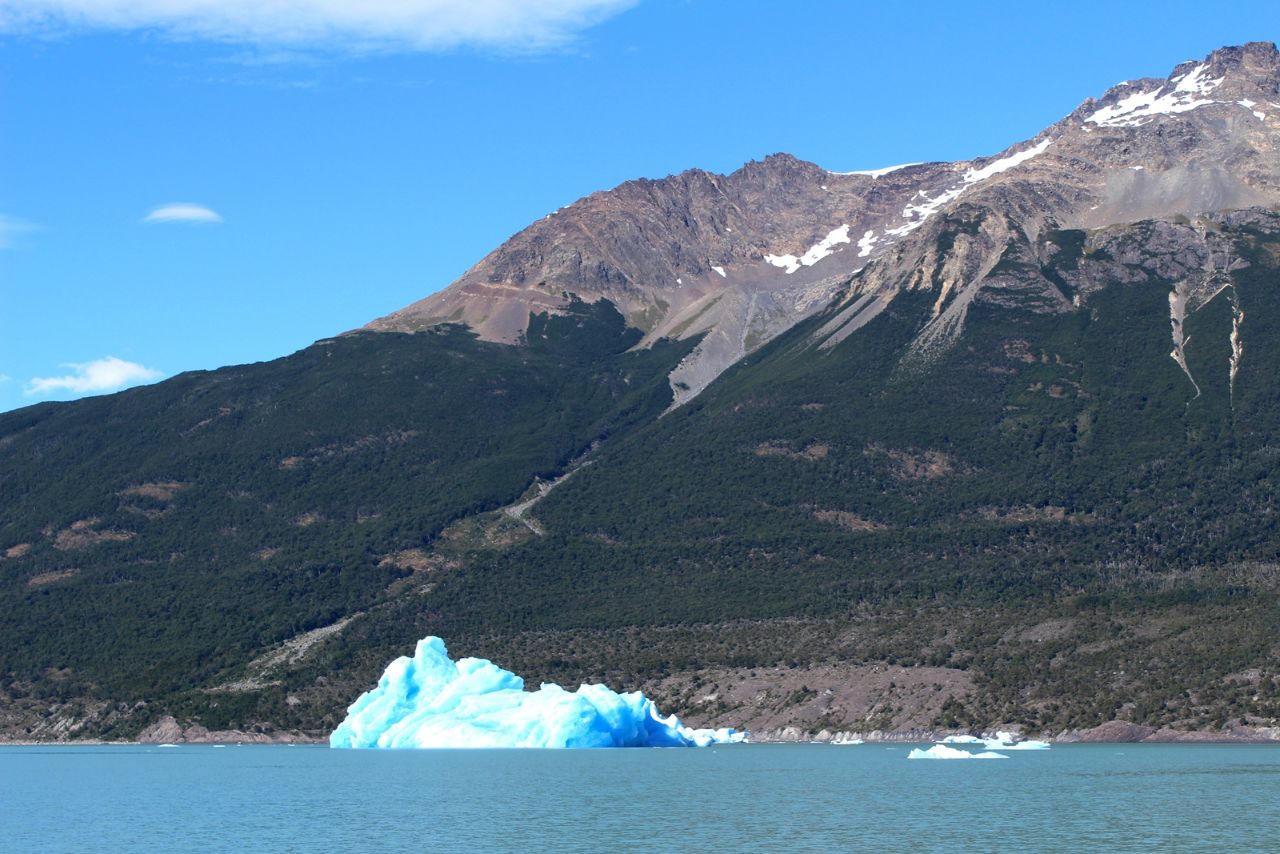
x=430 y=701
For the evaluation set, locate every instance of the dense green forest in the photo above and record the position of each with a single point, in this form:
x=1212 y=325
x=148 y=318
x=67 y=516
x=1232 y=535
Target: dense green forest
x=153 y=540
x=1051 y=507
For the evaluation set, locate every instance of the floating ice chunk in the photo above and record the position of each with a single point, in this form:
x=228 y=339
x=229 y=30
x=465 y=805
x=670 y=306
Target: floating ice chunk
x=961 y=739
x=1008 y=741
x=942 y=751
x=431 y=701
x=1029 y=744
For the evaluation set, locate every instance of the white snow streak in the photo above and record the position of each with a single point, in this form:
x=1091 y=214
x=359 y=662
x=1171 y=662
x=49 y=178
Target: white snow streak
x=1141 y=107
x=814 y=254
x=1249 y=105
x=916 y=214
x=866 y=244
x=877 y=173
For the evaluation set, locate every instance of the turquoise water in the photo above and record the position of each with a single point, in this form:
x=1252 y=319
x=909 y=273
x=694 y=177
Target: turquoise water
x=730 y=798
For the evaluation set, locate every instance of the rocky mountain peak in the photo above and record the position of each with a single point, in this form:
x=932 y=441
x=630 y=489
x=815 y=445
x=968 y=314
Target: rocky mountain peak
x=739 y=258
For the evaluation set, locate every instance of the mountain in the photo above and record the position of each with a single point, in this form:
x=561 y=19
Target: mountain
x=942 y=445
x=738 y=259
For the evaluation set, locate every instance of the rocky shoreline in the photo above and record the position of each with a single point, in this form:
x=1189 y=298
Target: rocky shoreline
x=1112 y=732
x=168 y=731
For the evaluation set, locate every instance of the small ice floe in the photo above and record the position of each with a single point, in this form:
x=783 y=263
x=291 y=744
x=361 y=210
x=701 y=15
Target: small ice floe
x=942 y=751
x=166 y=745
x=842 y=740
x=1000 y=741
x=1009 y=741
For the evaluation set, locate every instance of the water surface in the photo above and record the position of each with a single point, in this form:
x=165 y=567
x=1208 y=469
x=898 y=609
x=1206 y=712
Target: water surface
x=730 y=798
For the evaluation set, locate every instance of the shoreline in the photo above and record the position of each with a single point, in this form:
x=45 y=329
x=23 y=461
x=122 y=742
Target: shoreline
x=1114 y=732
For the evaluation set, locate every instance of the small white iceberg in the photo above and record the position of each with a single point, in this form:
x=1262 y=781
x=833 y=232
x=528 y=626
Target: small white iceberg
x=1009 y=741
x=1001 y=741
x=942 y=751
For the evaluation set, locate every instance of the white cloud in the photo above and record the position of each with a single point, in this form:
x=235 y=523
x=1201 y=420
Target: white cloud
x=4 y=378
x=11 y=227
x=182 y=212
x=108 y=374
x=350 y=24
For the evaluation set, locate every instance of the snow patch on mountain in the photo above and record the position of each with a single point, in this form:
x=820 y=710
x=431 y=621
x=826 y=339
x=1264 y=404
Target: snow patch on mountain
x=814 y=253
x=877 y=173
x=1141 y=107
x=917 y=213
x=1249 y=105
x=866 y=243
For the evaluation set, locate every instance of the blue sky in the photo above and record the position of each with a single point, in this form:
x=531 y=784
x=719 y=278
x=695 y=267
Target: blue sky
x=349 y=160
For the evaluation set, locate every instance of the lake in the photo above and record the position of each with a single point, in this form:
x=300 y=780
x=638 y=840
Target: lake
x=726 y=798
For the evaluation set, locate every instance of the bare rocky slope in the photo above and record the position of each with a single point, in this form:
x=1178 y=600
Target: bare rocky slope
x=740 y=258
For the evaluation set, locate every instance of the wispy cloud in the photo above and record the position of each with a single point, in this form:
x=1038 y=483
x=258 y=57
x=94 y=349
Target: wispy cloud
x=342 y=24
x=4 y=378
x=183 y=212
x=10 y=228
x=107 y=374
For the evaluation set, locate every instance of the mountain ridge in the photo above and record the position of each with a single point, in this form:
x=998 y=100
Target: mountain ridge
x=1013 y=467
x=742 y=257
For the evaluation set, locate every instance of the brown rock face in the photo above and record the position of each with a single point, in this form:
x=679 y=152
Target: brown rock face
x=168 y=731
x=740 y=258
x=1114 y=732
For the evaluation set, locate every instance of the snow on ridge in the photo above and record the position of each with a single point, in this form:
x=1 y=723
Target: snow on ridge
x=788 y=262
x=813 y=254
x=916 y=214
x=876 y=173
x=1004 y=164
x=1140 y=107
x=1249 y=105
x=719 y=270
